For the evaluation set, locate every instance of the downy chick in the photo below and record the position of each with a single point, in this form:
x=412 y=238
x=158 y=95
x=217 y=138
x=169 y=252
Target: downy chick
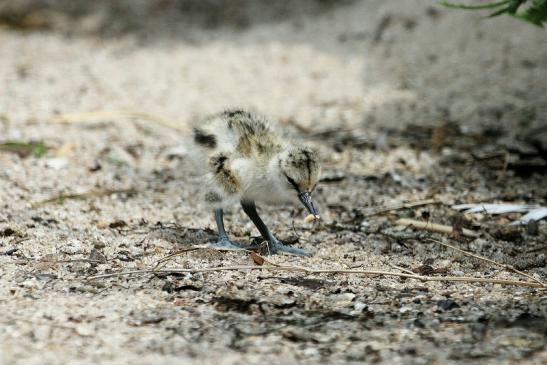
x=245 y=161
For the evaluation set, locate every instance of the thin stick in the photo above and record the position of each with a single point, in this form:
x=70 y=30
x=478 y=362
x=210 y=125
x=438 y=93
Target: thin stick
x=388 y=208
x=161 y=262
x=322 y=271
x=19 y=240
x=505 y=266
x=31 y=261
x=434 y=227
x=89 y=261
x=93 y=116
x=88 y=194
x=402 y=269
x=169 y=257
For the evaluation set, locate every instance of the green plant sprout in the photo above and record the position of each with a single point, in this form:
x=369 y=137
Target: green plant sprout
x=535 y=12
x=24 y=149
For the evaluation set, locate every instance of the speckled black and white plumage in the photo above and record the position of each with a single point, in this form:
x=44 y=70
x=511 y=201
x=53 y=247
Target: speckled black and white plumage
x=245 y=158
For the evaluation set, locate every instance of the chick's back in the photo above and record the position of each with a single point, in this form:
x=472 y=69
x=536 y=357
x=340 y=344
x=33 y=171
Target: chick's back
x=238 y=134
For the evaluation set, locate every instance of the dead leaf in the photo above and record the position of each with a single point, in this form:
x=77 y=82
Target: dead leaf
x=423 y=270
x=259 y=260
x=96 y=255
x=117 y=224
x=6 y=232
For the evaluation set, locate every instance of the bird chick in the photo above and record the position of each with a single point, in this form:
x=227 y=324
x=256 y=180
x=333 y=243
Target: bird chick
x=245 y=160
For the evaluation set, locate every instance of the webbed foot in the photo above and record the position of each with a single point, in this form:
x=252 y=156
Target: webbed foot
x=278 y=246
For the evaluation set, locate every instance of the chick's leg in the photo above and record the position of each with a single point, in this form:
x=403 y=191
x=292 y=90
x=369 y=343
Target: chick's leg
x=223 y=239
x=274 y=244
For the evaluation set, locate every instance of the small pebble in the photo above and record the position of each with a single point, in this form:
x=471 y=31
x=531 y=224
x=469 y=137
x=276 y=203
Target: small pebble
x=532 y=227
x=447 y=304
x=56 y=163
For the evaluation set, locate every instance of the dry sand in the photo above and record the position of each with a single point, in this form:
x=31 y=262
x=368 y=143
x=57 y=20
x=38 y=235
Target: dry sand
x=388 y=76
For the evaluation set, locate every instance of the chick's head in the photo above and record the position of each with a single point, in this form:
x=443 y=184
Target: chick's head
x=300 y=170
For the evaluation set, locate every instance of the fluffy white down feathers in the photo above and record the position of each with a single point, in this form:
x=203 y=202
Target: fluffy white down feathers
x=243 y=158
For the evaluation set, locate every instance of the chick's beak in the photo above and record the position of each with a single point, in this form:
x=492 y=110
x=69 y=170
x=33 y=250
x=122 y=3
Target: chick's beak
x=305 y=198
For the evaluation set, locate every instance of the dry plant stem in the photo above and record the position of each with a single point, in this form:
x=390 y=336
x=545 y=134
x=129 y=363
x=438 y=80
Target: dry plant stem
x=19 y=240
x=89 y=117
x=384 y=209
x=505 y=266
x=434 y=227
x=322 y=271
x=31 y=261
x=89 y=261
x=164 y=260
x=94 y=193
x=402 y=269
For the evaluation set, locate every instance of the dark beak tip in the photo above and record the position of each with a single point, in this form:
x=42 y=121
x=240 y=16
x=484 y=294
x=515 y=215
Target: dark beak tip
x=306 y=200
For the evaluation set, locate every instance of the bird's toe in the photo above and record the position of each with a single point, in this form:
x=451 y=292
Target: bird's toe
x=225 y=243
x=277 y=246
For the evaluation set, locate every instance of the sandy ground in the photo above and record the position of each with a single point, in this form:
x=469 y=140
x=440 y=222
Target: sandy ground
x=405 y=100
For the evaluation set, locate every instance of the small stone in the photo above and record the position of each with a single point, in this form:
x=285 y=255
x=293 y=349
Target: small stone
x=98 y=245
x=41 y=333
x=119 y=223
x=72 y=247
x=347 y=296
x=507 y=233
x=532 y=227
x=310 y=351
x=96 y=255
x=6 y=232
x=447 y=304
x=332 y=176
x=29 y=283
x=56 y=163
x=85 y=329
x=405 y=309
x=435 y=323
x=137 y=251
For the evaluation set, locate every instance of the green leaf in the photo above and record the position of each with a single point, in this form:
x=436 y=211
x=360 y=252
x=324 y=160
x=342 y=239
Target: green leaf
x=499 y=12
x=39 y=149
x=536 y=13
x=475 y=7
x=514 y=6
